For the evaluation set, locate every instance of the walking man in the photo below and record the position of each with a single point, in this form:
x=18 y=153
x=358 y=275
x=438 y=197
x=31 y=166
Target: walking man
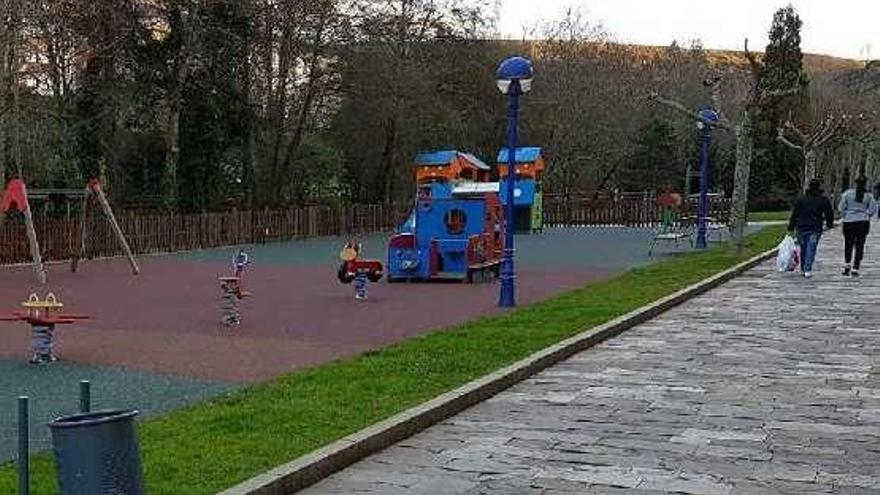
x=810 y=211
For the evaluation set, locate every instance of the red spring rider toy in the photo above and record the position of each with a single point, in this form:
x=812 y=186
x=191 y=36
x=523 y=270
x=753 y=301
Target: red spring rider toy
x=357 y=270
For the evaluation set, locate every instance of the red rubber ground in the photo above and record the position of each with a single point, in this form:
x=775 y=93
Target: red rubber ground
x=167 y=318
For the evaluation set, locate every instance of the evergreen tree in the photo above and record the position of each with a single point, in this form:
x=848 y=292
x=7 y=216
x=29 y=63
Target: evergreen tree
x=782 y=71
x=655 y=163
x=214 y=114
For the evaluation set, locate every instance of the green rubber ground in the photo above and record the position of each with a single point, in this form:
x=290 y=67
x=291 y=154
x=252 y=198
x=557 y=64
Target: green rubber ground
x=54 y=391
x=588 y=247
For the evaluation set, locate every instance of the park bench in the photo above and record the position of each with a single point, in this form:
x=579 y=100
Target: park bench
x=673 y=228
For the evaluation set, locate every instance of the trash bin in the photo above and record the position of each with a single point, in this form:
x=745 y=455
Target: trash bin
x=97 y=453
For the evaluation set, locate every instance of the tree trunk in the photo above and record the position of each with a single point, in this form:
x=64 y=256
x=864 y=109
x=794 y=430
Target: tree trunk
x=387 y=160
x=172 y=154
x=739 y=206
x=809 y=166
x=837 y=170
x=871 y=163
x=184 y=23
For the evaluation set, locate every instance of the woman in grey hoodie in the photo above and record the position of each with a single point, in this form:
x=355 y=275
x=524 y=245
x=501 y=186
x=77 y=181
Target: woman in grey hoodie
x=857 y=206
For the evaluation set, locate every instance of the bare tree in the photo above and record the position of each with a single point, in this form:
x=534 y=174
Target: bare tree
x=11 y=24
x=743 y=129
x=809 y=143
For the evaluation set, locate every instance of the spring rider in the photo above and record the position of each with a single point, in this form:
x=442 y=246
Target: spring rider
x=357 y=270
x=233 y=291
x=42 y=315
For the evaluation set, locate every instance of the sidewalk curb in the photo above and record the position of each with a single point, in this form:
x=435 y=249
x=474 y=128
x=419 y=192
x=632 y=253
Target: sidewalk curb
x=315 y=466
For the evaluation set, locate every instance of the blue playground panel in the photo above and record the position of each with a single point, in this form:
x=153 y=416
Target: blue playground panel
x=523 y=155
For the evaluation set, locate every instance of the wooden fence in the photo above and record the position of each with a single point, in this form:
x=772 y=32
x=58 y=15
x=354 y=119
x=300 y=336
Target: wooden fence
x=627 y=212
x=162 y=232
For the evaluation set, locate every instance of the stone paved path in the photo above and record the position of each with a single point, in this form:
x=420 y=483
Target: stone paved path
x=768 y=384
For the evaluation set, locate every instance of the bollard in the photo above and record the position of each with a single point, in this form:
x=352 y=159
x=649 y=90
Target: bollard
x=24 y=481
x=85 y=396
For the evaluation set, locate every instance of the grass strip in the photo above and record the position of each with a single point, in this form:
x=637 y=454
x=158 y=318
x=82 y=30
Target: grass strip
x=769 y=216
x=210 y=446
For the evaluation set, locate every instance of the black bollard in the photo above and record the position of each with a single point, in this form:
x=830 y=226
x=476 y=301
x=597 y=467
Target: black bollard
x=24 y=481
x=85 y=396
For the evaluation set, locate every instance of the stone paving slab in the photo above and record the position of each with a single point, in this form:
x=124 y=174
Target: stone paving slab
x=767 y=384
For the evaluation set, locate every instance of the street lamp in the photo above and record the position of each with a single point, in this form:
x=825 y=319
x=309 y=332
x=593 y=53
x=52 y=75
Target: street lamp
x=514 y=78
x=708 y=117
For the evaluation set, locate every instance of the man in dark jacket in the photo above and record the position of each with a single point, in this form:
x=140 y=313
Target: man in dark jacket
x=810 y=211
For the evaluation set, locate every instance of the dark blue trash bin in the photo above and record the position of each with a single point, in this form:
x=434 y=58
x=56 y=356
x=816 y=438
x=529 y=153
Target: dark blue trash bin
x=96 y=453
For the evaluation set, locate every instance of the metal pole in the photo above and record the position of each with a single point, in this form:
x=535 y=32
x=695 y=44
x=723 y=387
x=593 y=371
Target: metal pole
x=34 y=245
x=507 y=298
x=85 y=396
x=105 y=205
x=704 y=188
x=79 y=251
x=24 y=481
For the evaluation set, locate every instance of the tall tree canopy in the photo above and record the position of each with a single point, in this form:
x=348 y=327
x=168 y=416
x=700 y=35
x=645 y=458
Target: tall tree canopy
x=207 y=104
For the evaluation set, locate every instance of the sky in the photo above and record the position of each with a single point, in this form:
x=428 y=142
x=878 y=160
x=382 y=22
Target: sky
x=841 y=28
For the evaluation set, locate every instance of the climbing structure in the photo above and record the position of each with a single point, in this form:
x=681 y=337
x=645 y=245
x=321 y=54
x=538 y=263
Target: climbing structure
x=455 y=231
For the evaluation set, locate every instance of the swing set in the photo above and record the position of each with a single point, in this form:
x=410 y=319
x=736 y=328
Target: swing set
x=17 y=197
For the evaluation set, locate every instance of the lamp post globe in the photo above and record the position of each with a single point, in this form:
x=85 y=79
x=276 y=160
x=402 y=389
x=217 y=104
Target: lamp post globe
x=514 y=78
x=707 y=118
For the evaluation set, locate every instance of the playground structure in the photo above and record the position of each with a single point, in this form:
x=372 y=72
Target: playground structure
x=17 y=197
x=42 y=315
x=528 y=217
x=455 y=230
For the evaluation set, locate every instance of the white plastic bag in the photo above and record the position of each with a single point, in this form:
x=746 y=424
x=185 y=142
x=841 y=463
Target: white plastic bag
x=789 y=255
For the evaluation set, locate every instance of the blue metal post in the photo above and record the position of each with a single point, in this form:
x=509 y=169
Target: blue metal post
x=85 y=396
x=705 y=136
x=507 y=298
x=24 y=479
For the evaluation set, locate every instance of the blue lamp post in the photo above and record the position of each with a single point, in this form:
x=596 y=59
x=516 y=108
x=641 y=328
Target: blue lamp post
x=707 y=119
x=514 y=78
